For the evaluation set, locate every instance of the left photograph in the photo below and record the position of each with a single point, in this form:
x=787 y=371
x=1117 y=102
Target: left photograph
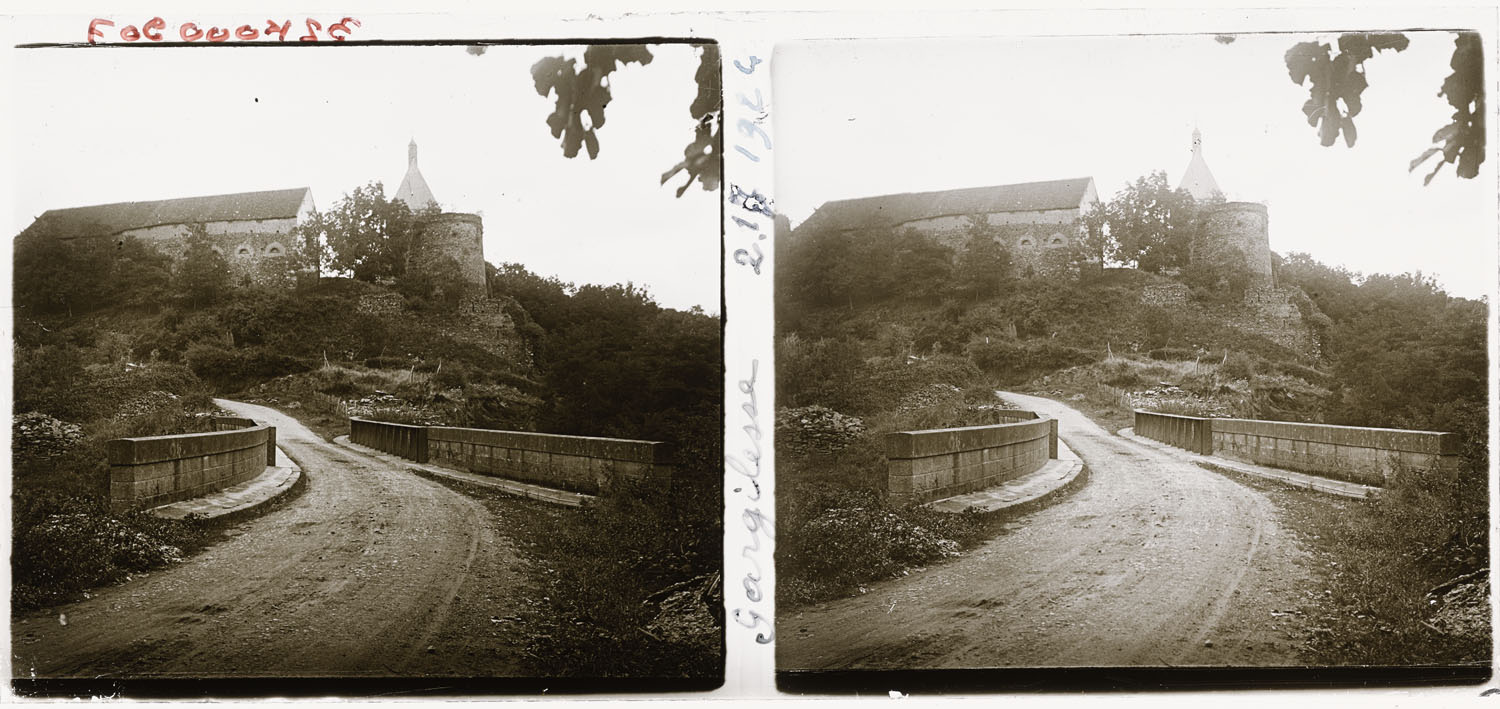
x=397 y=361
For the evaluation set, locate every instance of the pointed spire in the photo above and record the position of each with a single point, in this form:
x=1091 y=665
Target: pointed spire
x=1197 y=179
x=414 y=190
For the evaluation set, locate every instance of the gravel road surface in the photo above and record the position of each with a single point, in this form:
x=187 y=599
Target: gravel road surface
x=371 y=571
x=1154 y=562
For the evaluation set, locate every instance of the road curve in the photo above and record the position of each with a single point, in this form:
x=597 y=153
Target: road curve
x=1144 y=566
x=372 y=571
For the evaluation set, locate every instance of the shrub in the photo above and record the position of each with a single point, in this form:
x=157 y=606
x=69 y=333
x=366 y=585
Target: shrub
x=78 y=545
x=847 y=537
x=231 y=369
x=888 y=381
x=1017 y=361
x=1173 y=354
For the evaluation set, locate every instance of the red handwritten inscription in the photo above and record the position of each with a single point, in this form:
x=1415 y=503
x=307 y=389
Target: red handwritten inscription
x=153 y=30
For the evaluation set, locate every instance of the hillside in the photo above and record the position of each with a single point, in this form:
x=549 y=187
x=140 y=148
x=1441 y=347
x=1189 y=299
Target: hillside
x=869 y=343
x=145 y=357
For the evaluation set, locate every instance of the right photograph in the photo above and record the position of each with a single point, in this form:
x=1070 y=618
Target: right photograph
x=1143 y=352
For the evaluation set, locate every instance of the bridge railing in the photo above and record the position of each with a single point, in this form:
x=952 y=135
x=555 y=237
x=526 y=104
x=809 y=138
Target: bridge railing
x=409 y=442
x=157 y=470
x=1369 y=456
x=923 y=466
x=585 y=464
x=1186 y=432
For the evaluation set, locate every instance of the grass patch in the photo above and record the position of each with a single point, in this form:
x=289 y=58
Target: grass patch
x=627 y=587
x=66 y=540
x=847 y=533
x=1380 y=560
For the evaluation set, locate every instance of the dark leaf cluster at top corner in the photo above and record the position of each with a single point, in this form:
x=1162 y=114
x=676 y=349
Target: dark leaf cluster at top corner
x=1335 y=78
x=700 y=158
x=582 y=91
x=1461 y=142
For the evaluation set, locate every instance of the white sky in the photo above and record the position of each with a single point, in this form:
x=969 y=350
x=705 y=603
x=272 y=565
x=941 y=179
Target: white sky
x=110 y=125
x=860 y=118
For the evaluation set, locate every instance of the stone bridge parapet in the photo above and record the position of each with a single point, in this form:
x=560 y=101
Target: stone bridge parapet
x=585 y=464
x=1369 y=456
x=157 y=470
x=923 y=466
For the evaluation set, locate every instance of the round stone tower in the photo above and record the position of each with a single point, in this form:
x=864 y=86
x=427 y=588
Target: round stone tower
x=1242 y=226
x=453 y=238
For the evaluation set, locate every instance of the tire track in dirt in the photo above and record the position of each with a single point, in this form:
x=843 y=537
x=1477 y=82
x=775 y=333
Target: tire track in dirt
x=1154 y=562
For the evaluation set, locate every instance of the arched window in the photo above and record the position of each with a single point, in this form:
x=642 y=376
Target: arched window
x=1026 y=242
x=243 y=251
x=1057 y=241
x=275 y=249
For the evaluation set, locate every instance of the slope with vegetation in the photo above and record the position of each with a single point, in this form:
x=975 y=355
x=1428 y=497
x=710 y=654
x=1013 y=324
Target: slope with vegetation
x=120 y=340
x=898 y=333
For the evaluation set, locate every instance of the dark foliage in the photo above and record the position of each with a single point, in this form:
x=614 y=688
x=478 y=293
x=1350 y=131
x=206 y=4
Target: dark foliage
x=1337 y=81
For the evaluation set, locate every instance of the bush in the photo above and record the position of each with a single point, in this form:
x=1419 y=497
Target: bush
x=1173 y=354
x=79 y=545
x=890 y=381
x=384 y=362
x=847 y=537
x=1017 y=361
x=228 y=370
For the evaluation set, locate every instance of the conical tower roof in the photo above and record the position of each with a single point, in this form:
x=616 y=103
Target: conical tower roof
x=414 y=191
x=1197 y=179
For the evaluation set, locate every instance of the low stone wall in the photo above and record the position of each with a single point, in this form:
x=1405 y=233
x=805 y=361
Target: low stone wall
x=1363 y=455
x=409 y=442
x=923 y=466
x=1186 y=432
x=147 y=472
x=577 y=463
x=1010 y=415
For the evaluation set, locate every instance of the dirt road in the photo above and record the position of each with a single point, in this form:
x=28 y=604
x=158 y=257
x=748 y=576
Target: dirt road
x=1153 y=563
x=372 y=571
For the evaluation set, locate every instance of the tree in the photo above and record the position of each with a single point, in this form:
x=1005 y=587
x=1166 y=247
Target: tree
x=367 y=235
x=59 y=275
x=924 y=267
x=54 y=277
x=202 y=276
x=1148 y=225
x=1336 y=82
x=984 y=264
x=583 y=93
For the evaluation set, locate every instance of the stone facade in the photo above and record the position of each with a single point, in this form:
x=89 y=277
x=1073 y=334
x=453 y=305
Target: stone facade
x=453 y=240
x=1242 y=227
x=257 y=252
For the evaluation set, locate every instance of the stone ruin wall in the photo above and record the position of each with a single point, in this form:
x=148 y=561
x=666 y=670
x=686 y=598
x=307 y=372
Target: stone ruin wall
x=256 y=250
x=1036 y=240
x=454 y=237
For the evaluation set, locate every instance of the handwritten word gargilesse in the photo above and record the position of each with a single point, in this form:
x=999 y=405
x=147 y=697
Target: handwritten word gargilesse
x=157 y=29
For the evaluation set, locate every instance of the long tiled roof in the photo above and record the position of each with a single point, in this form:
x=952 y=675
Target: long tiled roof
x=893 y=209
x=106 y=219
